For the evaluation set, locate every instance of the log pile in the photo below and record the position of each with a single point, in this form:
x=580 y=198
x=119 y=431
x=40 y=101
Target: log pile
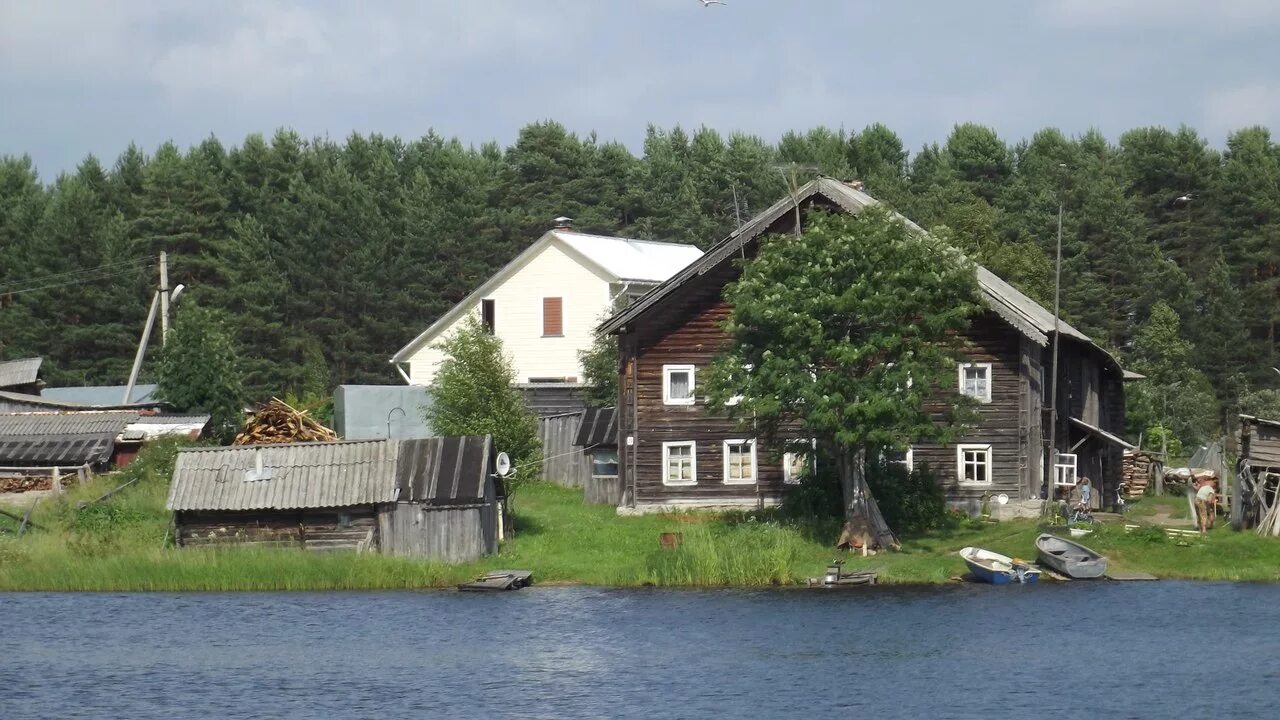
x=1137 y=472
x=25 y=483
x=278 y=422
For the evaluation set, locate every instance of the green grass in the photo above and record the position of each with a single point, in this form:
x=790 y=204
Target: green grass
x=121 y=545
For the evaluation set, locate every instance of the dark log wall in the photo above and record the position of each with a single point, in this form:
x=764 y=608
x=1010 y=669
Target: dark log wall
x=337 y=529
x=694 y=342
x=1000 y=423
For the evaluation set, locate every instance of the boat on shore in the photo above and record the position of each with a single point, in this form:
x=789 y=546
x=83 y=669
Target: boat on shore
x=992 y=567
x=1070 y=558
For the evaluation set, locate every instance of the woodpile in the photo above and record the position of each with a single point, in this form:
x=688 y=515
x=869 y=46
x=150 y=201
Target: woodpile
x=278 y=422
x=1138 y=472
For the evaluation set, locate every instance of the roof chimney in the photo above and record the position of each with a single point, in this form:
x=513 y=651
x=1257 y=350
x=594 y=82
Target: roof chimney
x=562 y=223
x=854 y=183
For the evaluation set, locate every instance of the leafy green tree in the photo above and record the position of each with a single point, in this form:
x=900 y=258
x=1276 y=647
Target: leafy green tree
x=600 y=371
x=1174 y=394
x=842 y=334
x=199 y=370
x=474 y=394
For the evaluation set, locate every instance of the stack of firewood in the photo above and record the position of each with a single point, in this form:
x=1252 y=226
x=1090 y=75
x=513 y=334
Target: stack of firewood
x=279 y=422
x=1137 y=471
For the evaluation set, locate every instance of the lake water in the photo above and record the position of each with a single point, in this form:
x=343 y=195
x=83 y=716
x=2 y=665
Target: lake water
x=1111 y=650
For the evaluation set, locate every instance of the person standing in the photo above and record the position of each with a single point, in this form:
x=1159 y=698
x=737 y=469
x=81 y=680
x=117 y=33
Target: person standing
x=1206 y=500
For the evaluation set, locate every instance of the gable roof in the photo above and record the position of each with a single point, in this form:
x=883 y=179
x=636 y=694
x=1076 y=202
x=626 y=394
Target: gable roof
x=15 y=373
x=433 y=471
x=1020 y=311
x=620 y=259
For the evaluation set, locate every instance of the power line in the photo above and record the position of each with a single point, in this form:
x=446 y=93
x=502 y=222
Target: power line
x=76 y=277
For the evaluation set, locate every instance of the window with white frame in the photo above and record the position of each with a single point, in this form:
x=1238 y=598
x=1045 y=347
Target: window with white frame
x=974 y=464
x=680 y=463
x=905 y=458
x=739 y=462
x=975 y=381
x=1064 y=470
x=794 y=466
x=677 y=384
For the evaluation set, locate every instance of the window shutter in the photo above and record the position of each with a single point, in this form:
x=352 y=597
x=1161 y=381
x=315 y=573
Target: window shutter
x=552 y=316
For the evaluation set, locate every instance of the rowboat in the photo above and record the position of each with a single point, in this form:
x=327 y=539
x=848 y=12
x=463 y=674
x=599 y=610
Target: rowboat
x=997 y=569
x=1070 y=557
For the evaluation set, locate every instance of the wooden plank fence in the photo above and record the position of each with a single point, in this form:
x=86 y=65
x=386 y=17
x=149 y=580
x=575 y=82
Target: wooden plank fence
x=563 y=463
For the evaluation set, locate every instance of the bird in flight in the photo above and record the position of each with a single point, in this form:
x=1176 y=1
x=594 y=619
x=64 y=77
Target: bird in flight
x=709 y=3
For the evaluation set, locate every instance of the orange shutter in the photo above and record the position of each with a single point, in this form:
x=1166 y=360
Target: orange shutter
x=552 y=316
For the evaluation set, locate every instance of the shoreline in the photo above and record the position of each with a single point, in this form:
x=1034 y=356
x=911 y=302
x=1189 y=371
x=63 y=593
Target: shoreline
x=122 y=546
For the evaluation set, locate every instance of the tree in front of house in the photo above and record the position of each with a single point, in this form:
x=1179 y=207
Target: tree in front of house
x=844 y=334
x=600 y=371
x=474 y=394
x=199 y=370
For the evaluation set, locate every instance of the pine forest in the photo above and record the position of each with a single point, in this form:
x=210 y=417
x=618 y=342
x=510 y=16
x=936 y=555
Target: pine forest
x=325 y=257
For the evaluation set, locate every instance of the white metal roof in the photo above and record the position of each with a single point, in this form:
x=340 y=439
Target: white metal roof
x=622 y=259
x=630 y=259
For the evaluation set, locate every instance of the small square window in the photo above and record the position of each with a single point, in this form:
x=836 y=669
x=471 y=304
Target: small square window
x=680 y=463
x=974 y=464
x=739 y=462
x=975 y=381
x=905 y=458
x=604 y=463
x=677 y=384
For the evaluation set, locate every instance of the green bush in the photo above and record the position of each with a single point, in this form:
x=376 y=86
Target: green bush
x=912 y=501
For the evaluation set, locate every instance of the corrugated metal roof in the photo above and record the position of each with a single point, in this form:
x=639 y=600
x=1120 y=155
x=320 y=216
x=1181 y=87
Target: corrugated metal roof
x=20 y=372
x=65 y=423
x=631 y=259
x=1025 y=314
x=303 y=475
x=56 y=449
x=173 y=419
x=433 y=471
x=444 y=471
x=39 y=403
x=102 y=394
x=599 y=428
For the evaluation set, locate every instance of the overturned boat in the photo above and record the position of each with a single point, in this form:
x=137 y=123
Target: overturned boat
x=1070 y=558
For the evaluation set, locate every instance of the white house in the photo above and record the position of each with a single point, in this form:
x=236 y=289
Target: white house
x=546 y=303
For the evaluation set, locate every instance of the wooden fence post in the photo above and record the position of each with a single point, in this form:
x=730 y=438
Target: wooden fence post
x=57 y=480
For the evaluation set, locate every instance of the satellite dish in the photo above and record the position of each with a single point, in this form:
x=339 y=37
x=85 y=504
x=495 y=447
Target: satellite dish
x=502 y=464
x=1002 y=499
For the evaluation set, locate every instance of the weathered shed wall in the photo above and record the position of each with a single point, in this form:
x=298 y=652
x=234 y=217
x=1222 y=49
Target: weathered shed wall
x=446 y=534
x=602 y=490
x=352 y=528
x=1260 y=443
x=563 y=463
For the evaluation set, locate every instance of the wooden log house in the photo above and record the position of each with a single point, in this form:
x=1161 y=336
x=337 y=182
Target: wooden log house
x=674 y=453
x=435 y=498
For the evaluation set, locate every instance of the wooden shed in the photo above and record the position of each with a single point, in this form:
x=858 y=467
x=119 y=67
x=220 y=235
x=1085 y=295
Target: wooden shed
x=598 y=438
x=434 y=498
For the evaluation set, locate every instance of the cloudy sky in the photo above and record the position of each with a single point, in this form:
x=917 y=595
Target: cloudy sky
x=89 y=77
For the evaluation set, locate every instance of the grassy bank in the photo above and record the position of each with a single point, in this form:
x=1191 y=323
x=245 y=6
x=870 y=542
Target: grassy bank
x=121 y=545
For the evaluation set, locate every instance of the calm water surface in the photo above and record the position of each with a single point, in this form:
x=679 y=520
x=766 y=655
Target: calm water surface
x=1111 y=650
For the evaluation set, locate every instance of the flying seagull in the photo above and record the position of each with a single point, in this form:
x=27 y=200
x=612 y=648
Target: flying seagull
x=709 y=3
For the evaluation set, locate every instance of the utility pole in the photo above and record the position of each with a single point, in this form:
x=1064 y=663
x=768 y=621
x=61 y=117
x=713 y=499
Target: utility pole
x=1052 y=464
x=164 y=297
